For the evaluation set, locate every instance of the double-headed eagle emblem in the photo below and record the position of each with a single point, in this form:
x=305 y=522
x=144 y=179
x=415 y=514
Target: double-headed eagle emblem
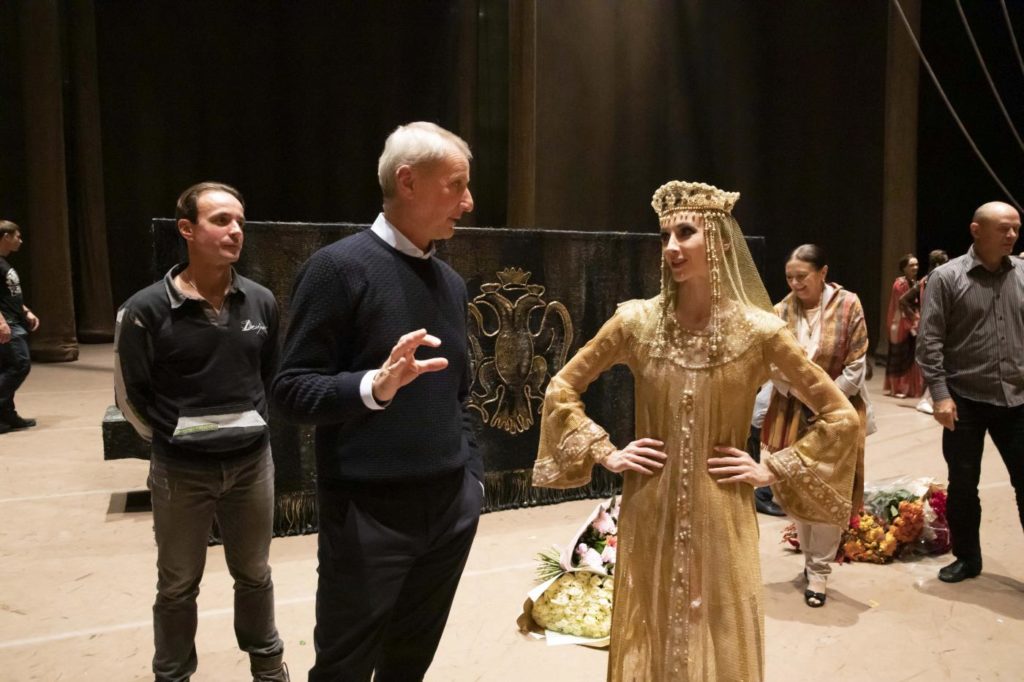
x=517 y=342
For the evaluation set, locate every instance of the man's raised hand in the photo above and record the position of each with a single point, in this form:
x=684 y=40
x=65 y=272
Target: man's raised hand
x=402 y=367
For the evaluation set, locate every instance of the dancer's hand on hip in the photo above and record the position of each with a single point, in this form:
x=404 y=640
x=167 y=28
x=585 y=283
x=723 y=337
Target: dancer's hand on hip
x=739 y=467
x=641 y=456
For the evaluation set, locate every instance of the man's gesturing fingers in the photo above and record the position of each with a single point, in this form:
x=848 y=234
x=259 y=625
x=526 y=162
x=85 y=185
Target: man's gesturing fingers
x=408 y=344
x=402 y=367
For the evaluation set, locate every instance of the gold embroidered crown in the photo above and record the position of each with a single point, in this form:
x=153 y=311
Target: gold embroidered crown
x=678 y=196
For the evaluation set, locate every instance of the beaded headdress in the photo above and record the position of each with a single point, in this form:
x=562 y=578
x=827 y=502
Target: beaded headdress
x=677 y=197
x=733 y=276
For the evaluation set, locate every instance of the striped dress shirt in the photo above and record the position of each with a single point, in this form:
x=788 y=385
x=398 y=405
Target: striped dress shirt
x=971 y=338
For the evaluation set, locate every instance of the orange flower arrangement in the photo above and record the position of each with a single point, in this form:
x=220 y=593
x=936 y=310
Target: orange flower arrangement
x=901 y=519
x=868 y=540
x=907 y=526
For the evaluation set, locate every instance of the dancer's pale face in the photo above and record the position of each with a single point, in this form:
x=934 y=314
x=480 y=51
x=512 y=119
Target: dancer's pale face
x=684 y=248
x=911 y=270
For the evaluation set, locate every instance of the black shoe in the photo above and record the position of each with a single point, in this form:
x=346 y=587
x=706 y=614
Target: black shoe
x=959 y=570
x=768 y=507
x=16 y=421
x=814 y=599
x=4 y=428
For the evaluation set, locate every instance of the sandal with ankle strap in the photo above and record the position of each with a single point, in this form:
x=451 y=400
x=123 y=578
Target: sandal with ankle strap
x=814 y=599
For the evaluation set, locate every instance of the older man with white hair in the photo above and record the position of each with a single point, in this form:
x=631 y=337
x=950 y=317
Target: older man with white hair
x=376 y=357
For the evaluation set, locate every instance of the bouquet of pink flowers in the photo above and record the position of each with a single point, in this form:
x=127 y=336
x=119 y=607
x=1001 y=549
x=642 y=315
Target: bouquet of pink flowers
x=575 y=594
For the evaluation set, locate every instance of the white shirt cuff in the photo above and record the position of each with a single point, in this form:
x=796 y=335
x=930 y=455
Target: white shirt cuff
x=366 y=391
x=848 y=388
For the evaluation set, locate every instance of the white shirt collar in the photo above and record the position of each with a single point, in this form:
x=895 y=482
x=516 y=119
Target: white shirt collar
x=398 y=241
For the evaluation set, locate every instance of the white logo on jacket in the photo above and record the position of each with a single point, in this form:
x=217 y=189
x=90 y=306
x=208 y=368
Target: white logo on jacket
x=258 y=327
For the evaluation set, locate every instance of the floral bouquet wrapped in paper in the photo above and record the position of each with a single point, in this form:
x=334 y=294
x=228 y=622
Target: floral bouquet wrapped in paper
x=902 y=518
x=913 y=512
x=573 y=603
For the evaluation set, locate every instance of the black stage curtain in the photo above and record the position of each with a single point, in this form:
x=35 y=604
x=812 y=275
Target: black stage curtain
x=52 y=170
x=783 y=101
x=952 y=182
x=291 y=102
x=577 y=108
x=288 y=101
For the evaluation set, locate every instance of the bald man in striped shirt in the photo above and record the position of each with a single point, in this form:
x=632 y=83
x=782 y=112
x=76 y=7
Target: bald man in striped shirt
x=971 y=350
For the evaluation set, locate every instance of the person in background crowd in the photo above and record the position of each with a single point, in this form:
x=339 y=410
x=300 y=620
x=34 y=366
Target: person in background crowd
x=16 y=321
x=828 y=323
x=902 y=375
x=913 y=299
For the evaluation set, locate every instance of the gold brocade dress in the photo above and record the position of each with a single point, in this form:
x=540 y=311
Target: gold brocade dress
x=688 y=579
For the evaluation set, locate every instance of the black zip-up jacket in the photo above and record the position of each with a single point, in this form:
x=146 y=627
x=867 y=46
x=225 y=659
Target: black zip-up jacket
x=196 y=386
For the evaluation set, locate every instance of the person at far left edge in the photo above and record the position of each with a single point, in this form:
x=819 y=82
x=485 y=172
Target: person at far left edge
x=16 y=321
x=194 y=353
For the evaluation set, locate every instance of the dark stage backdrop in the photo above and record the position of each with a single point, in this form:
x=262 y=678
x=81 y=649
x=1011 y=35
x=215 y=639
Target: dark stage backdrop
x=291 y=102
x=783 y=101
x=576 y=109
x=951 y=180
x=288 y=101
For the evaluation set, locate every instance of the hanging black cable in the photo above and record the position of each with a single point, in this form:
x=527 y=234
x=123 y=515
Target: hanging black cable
x=988 y=76
x=1013 y=38
x=949 y=105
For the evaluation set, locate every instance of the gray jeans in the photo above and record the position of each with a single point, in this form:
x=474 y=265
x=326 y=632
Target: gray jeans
x=240 y=495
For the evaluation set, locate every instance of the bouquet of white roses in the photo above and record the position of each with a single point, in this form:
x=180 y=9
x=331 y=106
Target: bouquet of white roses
x=577 y=603
x=573 y=603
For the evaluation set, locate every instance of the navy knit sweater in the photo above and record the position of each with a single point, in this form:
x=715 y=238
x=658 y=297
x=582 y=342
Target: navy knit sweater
x=351 y=302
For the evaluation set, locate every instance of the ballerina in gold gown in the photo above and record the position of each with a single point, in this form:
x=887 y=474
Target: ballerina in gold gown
x=687 y=579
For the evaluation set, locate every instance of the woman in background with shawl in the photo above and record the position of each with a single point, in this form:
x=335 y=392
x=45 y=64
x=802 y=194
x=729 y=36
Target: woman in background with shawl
x=828 y=323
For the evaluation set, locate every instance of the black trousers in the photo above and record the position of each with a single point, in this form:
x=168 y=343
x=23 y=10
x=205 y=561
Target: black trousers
x=962 y=450
x=391 y=555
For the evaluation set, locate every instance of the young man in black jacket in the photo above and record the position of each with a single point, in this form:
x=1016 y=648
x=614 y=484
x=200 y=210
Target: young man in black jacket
x=193 y=354
x=399 y=477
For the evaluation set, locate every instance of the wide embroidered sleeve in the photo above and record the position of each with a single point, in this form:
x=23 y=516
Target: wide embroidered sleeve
x=815 y=474
x=570 y=442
